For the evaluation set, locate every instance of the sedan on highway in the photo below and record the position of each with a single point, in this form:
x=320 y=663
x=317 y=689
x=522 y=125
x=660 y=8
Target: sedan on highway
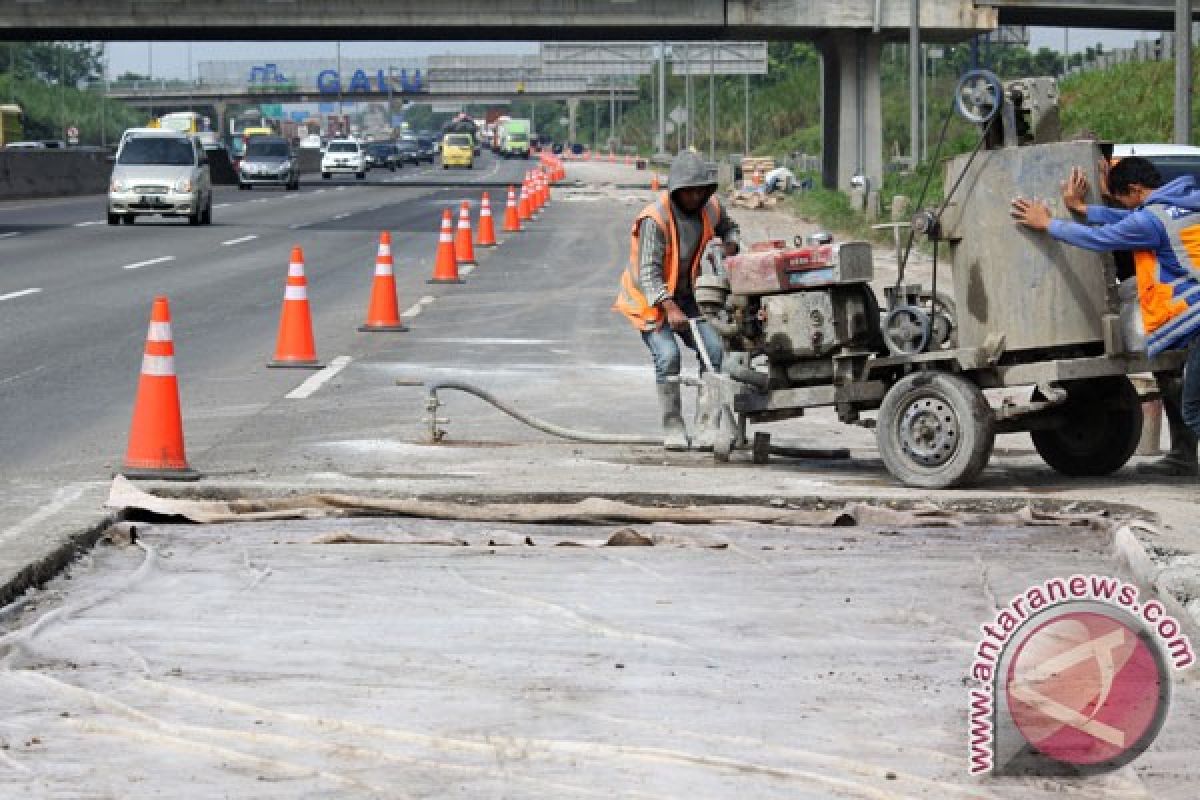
x=160 y=172
x=409 y=150
x=346 y=156
x=269 y=160
x=383 y=155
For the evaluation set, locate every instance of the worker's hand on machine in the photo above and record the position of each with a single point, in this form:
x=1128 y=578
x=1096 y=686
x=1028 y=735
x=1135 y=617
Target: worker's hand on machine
x=1074 y=191
x=1104 y=166
x=1033 y=214
x=674 y=316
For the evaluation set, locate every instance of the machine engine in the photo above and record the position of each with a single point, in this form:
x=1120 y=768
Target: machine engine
x=808 y=301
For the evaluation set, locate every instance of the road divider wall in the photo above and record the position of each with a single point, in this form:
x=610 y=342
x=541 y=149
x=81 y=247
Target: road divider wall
x=53 y=173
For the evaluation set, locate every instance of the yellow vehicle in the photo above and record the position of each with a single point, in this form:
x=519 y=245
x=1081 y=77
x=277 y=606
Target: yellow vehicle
x=11 y=129
x=458 y=150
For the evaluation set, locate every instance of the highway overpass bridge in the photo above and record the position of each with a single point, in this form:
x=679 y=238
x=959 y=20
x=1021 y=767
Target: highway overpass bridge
x=849 y=33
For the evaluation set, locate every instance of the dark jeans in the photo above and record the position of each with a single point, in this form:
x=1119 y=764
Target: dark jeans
x=1191 y=387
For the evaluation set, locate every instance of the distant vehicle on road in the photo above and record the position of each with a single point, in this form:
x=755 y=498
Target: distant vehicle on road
x=185 y=122
x=384 y=155
x=311 y=142
x=160 y=172
x=345 y=156
x=409 y=149
x=26 y=146
x=514 y=138
x=458 y=150
x=269 y=160
x=426 y=149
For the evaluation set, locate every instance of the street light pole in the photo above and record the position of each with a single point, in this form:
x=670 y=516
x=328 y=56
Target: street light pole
x=662 y=98
x=914 y=81
x=712 y=101
x=1183 y=71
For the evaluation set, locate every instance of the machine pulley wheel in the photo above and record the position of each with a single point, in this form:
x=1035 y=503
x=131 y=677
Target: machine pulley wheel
x=978 y=96
x=906 y=330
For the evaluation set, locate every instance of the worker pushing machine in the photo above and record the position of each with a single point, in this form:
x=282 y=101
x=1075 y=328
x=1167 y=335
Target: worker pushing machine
x=657 y=288
x=1160 y=223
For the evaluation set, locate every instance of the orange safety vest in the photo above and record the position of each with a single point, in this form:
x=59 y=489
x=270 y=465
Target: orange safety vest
x=630 y=300
x=1169 y=294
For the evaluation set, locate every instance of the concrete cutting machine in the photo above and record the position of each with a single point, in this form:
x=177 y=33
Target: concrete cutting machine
x=803 y=326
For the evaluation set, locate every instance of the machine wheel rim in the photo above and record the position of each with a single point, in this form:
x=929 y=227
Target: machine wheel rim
x=929 y=431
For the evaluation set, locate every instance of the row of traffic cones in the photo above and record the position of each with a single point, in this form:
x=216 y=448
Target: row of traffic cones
x=156 y=443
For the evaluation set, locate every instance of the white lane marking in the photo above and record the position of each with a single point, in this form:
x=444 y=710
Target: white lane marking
x=467 y=269
x=21 y=293
x=62 y=498
x=9 y=235
x=222 y=205
x=317 y=380
x=418 y=307
x=152 y=261
x=240 y=240
x=341 y=189
x=340 y=216
x=296 y=225
x=261 y=200
x=89 y=222
x=318 y=191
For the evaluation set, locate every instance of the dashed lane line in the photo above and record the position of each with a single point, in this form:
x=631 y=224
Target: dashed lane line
x=340 y=216
x=150 y=262
x=9 y=235
x=240 y=240
x=89 y=223
x=22 y=293
x=417 y=307
x=319 y=379
x=222 y=205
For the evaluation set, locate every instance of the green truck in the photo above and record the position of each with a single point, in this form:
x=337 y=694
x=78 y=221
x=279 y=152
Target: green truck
x=514 y=138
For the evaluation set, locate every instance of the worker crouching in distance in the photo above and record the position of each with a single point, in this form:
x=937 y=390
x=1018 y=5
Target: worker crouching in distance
x=1160 y=223
x=657 y=288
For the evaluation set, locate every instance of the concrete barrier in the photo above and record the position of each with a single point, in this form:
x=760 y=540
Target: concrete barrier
x=53 y=173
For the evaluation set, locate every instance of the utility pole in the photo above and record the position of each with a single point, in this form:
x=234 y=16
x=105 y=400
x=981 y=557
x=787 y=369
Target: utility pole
x=914 y=81
x=1183 y=71
x=339 y=72
x=687 y=91
x=747 y=113
x=662 y=98
x=62 y=91
x=150 y=74
x=712 y=101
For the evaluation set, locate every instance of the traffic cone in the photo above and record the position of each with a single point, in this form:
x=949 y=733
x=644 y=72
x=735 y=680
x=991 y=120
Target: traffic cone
x=758 y=176
x=524 y=213
x=487 y=228
x=155 y=449
x=445 y=269
x=464 y=251
x=512 y=221
x=294 y=346
x=384 y=312
x=654 y=182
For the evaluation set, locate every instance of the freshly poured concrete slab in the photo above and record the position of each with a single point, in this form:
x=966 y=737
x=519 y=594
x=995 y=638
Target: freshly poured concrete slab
x=280 y=660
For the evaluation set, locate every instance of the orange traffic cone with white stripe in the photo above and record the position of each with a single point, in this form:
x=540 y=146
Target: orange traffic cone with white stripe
x=383 y=314
x=757 y=179
x=524 y=212
x=294 y=346
x=445 y=269
x=654 y=187
x=487 y=228
x=464 y=250
x=155 y=449
x=512 y=221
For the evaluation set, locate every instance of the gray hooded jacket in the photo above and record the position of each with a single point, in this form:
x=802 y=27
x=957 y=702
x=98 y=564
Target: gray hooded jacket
x=688 y=170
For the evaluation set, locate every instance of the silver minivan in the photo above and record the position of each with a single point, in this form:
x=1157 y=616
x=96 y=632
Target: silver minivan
x=160 y=172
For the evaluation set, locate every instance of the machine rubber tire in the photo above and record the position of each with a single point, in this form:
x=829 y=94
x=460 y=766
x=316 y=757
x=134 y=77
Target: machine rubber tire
x=946 y=408
x=1105 y=425
x=194 y=219
x=294 y=186
x=114 y=219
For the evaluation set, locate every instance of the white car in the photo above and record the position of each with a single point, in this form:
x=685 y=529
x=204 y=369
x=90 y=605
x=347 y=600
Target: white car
x=344 y=155
x=160 y=172
x=311 y=142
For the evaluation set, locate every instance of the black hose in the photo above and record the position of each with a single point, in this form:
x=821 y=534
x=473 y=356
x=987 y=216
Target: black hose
x=546 y=427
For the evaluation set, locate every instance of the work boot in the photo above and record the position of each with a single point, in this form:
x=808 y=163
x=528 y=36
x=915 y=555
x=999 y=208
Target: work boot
x=671 y=403
x=1181 y=461
x=708 y=410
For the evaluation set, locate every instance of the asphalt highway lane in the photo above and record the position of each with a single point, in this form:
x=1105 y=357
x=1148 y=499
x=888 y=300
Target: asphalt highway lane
x=75 y=298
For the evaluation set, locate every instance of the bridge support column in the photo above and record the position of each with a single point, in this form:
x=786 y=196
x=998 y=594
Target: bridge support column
x=851 y=109
x=220 y=123
x=572 y=117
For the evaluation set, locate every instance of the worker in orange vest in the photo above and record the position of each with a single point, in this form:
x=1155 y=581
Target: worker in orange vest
x=656 y=294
